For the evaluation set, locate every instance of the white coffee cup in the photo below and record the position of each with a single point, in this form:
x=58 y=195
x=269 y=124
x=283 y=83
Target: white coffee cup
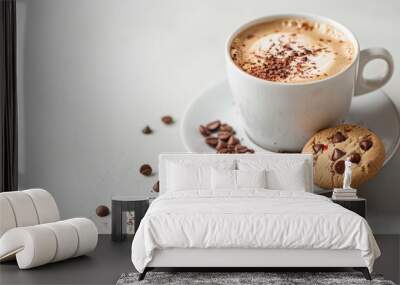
x=283 y=116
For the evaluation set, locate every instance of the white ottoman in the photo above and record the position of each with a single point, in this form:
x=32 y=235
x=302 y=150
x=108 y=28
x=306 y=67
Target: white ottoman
x=31 y=233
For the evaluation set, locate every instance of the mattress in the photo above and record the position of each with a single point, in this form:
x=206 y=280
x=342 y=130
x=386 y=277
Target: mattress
x=250 y=219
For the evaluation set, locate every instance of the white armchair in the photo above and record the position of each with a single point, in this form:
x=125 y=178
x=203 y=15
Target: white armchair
x=31 y=230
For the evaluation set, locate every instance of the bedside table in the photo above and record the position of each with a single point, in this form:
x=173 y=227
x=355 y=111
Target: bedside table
x=358 y=205
x=122 y=204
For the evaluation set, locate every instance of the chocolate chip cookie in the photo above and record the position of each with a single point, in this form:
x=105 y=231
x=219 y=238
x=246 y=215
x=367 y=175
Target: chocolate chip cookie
x=331 y=147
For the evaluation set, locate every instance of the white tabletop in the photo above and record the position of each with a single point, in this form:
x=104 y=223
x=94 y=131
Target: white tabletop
x=96 y=72
x=182 y=54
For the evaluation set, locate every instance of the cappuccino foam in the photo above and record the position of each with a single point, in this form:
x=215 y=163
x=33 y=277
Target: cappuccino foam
x=292 y=50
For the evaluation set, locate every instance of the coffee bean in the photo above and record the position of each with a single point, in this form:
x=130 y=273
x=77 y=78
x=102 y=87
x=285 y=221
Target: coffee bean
x=168 y=120
x=366 y=144
x=147 y=130
x=221 y=144
x=355 y=157
x=339 y=167
x=102 y=211
x=233 y=140
x=212 y=141
x=317 y=147
x=213 y=126
x=231 y=147
x=156 y=187
x=337 y=153
x=146 y=170
x=226 y=128
x=338 y=137
x=240 y=148
x=225 y=141
x=224 y=135
x=204 y=131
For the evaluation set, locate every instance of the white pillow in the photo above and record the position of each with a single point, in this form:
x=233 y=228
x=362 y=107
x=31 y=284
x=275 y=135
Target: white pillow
x=251 y=178
x=223 y=179
x=191 y=174
x=282 y=174
x=236 y=179
x=294 y=179
x=182 y=177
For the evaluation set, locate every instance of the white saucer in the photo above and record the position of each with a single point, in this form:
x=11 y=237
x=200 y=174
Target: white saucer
x=375 y=111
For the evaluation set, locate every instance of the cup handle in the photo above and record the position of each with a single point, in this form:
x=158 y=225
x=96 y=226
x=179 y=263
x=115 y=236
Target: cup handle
x=365 y=85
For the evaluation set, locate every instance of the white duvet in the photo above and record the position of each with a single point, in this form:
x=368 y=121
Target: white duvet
x=250 y=219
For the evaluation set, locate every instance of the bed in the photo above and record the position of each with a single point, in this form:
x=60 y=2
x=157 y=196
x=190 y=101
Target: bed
x=247 y=210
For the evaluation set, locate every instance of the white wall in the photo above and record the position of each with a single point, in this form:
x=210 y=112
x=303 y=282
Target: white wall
x=94 y=72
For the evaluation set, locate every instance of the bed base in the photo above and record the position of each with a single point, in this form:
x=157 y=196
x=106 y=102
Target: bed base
x=242 y=259
x=363 y=270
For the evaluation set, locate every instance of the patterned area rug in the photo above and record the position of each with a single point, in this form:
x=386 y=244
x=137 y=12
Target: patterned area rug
x=231 y=278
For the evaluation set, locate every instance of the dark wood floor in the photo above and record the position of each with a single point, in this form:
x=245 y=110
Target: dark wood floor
x=110 y=260
x=103 y=266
